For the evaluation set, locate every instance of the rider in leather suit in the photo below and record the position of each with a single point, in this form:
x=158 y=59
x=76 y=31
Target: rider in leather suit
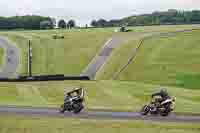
x=163 y=94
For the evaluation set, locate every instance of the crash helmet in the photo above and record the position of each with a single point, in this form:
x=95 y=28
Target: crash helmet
x=163 y=91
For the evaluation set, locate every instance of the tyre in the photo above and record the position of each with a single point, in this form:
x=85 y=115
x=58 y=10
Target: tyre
x=62 y=109
x=166 y=111
x=77 y=108
x=145 y=110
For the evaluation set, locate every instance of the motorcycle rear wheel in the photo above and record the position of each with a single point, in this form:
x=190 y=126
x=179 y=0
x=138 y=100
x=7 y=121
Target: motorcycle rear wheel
x=77 y=108
x=166 y=111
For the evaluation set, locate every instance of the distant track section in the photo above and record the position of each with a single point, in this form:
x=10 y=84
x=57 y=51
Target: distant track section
x=101 y=58
x=9 y=69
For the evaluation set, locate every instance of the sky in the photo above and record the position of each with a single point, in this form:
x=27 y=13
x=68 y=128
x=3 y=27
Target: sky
x=83 y=11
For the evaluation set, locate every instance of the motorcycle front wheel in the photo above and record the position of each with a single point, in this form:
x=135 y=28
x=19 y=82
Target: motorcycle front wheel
x=145 y=110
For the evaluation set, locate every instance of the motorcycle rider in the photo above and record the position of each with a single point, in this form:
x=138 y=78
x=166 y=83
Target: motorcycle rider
x=69 y=95
x=161 y=103
x=66 y=97
x=73 y=101
x=163 y=94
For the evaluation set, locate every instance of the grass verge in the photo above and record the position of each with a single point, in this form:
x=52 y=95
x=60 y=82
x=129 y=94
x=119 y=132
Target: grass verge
x=103 y=95
x=22 y=124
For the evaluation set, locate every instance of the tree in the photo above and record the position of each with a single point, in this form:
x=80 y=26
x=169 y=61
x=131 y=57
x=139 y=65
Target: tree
x=62 y=24
x=171 y=16
x=102 y=22
x=46 y=25
x=94 y=23
x=34 y=22
x=195 y=16
x=71 y=24
x=53 y=20
x=25 y=22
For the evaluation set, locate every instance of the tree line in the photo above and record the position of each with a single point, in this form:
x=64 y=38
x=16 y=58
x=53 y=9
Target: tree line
x=25 y=22
x=170 y=17
x=33 y=22
x=62 y=24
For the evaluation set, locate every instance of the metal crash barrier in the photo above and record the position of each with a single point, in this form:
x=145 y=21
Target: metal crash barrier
x=44 y=78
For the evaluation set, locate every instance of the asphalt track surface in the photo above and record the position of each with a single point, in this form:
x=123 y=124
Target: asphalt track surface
x=53 y=112
x=101 y=58
x=9 y=68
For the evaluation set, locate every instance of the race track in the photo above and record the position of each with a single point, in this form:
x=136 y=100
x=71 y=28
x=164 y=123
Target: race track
x=9 y=68
x=101 y=58
x=53 y=112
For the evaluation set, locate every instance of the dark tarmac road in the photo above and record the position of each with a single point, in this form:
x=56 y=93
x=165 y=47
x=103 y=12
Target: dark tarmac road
x=53 y=112
x=101 y=58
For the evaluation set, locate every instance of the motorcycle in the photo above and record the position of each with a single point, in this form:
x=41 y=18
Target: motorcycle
x=164 y=108
x=73 y=101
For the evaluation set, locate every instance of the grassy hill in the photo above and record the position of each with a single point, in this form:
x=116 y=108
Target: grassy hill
x=72 y=54
x=172 y=60
x=163 y=28
x=103 y=95
x=69 y=55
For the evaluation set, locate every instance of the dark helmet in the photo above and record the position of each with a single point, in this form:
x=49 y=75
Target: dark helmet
x=163 y=91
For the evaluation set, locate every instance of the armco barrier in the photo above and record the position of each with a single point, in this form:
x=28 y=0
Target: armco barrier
x=44 y=78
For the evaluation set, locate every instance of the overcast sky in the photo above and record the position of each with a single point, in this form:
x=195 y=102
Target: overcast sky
x=83 y=11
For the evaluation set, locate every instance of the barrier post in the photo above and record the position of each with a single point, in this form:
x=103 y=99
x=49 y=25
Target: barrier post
x=29 y=59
